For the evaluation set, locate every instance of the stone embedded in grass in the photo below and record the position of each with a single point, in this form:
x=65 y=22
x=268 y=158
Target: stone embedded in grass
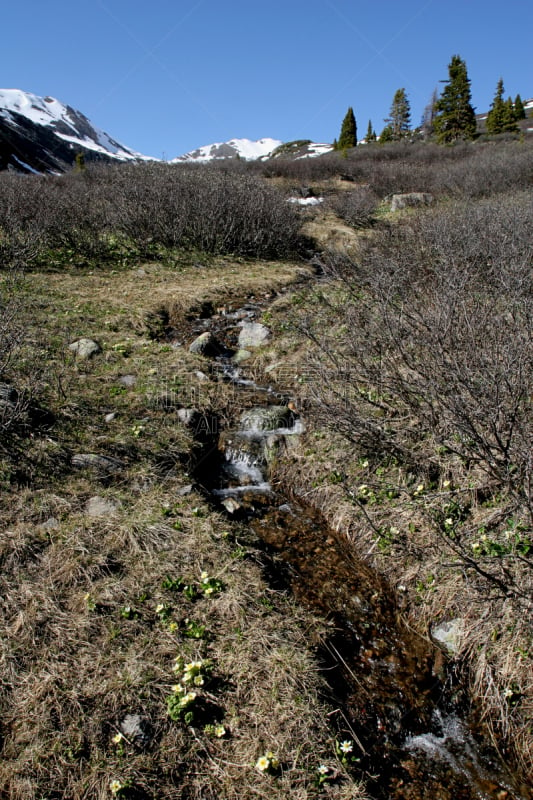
x=85 y=348
x=136 y=729
x=100 y=507
x=94 y=461
x=206 y=345
x=188 y=416
x=449 y=634
x=241 y=355
x=253 y=334
x=410 y=200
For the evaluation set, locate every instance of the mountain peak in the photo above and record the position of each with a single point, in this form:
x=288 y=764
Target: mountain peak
x=43 y=134
x=234 y=148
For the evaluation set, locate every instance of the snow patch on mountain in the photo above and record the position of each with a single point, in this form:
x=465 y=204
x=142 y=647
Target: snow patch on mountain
x=242 y=148
x=66 y=123
x=316 y=149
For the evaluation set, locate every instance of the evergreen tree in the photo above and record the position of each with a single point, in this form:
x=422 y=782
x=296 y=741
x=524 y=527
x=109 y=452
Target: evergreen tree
x=386 y=135
x=510 y=124
x=370 y=133
x=400 y=115
x=497 y=113
x=455 y=117
x=502 y=115
x=348 y=134
x=519 y=110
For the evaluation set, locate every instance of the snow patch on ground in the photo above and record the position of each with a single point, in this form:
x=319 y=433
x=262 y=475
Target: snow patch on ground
x=306 y=201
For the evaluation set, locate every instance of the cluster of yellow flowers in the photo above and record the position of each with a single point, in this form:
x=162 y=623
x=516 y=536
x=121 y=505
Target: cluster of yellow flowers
x=267 y=763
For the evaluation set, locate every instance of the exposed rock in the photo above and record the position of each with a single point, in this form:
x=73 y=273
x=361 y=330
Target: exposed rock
x=410 y=199
x=128 y=380
x=51 y=524
x=449 y=634
x=253 y=334
x=231 y=505
x=85 y=348
x=266 y=418
x=136 y=729
x=206 y=345
x=94 y=461
x=188 y=416
x=111 y=416
x=241 y=355
x=184 y=490
x=100 y=507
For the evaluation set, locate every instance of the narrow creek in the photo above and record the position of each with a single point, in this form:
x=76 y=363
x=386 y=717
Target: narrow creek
x=397 y=699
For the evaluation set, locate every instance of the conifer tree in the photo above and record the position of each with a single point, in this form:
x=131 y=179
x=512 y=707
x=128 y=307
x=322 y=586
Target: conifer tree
x=348 y=134
x=510 y=124
x=386 y=135
x=400 y=115
x=370 y=133
x=519 y=110
x=455 y=117
x=497 y=112
x=502 y=115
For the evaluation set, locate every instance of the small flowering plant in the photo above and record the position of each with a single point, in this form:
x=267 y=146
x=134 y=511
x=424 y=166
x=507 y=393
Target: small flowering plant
x=119 y=788
x=209 y=585
x=324 y=774
x=268 y=764
x=192 y=676
x=344 y=751
x=119 y=741
x=180 y=704
x=217 y=731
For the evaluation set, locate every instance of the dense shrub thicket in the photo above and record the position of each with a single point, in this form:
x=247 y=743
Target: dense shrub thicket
x=467 y=169
x=148 y=205
x=438 y=325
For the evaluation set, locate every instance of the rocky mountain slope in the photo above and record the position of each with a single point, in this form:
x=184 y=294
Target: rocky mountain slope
x=41 y=134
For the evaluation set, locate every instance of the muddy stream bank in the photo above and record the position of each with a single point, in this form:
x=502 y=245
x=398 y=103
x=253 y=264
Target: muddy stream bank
x=396 y=697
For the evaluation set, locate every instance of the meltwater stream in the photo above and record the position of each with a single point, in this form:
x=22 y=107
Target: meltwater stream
x=408 y=722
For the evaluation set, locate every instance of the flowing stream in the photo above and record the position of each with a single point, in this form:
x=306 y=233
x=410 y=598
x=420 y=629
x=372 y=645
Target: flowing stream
x=401 y=708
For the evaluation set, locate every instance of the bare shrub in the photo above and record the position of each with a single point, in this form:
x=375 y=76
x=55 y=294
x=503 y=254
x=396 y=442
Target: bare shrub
x=356 y=208
x=201 y=207
x=437 y=340
x=467 y=169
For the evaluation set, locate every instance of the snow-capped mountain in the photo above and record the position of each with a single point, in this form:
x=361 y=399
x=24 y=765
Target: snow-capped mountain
x=41 y=134
x=235 y=148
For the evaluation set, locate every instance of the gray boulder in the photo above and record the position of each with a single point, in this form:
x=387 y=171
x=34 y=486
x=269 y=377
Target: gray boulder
x=253 y=334
x=85 y=348
x=410 y=200
x=96 y=462
x=100 y=507
x=206 y=345
x=267 y=418
x=449 y=635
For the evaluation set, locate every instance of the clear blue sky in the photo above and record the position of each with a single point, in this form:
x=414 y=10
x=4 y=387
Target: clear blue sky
x=166 y=76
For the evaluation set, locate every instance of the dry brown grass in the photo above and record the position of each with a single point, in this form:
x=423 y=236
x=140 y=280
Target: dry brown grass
x=83 y=642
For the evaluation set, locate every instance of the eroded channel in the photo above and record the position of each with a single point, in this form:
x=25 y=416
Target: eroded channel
x=397 y=699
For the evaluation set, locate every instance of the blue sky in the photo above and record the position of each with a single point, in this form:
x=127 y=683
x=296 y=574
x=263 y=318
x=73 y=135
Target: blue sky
x=166 y=76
